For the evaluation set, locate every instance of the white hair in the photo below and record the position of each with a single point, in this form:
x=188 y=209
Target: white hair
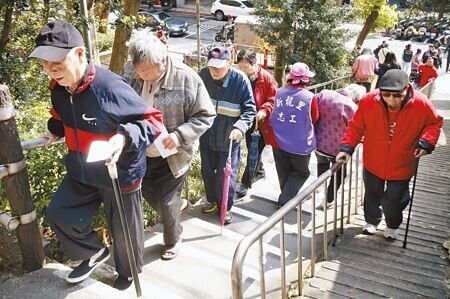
x=144 y=46
x=356 y=91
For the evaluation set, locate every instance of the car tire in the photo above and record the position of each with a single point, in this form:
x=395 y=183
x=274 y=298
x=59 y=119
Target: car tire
x=220 y=16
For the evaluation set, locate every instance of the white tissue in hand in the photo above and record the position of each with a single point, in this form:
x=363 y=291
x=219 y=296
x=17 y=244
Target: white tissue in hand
x=99 y=150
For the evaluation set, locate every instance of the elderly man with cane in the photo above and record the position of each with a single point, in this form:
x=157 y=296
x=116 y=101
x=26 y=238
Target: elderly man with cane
x=397 y=126
x=90 y=104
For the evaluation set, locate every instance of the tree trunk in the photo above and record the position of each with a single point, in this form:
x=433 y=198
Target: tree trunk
x=279 y=66
x=120 y=51
x=102 y=10
x=368 y=24
x=7 y=25
x=17 y=186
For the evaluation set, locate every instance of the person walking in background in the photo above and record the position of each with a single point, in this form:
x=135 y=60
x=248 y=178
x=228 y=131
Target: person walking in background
x=389 y=63
x=364 y=67
x=336 y=108
x=88 y=104
x=431 y=52
x=407 y=56
x=231 y=93
x=447 y=50
x=295 y=112
x=415 y=62
x=397 y=125
x=264 y=88
x=174 y=88
x=382 y=53
x=378 y=48
x=427 y=73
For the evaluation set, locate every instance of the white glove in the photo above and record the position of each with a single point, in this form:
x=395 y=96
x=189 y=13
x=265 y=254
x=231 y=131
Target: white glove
x=342 y=157
x=236 y=134
x=117 y=143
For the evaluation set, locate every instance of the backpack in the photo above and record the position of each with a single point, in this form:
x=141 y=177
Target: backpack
x=407 y=55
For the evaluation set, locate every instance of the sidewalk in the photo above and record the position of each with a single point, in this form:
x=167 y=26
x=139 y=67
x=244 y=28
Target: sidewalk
x=190 y=8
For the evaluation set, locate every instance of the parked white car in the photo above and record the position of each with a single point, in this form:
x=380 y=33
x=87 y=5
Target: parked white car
x=224 y=8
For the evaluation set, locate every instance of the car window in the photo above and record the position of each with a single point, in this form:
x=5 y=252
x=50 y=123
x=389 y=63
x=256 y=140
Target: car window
x=164 y=16
x=248 y=4
x=231 y=3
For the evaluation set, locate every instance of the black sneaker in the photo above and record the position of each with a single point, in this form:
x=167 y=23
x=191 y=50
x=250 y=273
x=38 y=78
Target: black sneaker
x=241 y=190
x=86 y=267
x=123 y=282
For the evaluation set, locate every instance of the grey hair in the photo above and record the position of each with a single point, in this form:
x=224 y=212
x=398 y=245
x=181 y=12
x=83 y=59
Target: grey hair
x=356 y=91
x=144 y=46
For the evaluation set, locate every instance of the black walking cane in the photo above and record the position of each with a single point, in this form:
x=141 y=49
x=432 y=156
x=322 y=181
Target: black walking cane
x=410 y=204
x=112 y=170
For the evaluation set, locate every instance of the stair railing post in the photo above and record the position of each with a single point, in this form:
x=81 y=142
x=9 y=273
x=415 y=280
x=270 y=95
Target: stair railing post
x=17 y=186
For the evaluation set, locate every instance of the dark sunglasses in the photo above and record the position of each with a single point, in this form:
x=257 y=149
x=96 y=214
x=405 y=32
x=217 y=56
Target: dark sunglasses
x=397 y=94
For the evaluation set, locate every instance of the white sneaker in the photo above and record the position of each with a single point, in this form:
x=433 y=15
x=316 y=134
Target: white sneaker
x=369 y=229
x=390 y=234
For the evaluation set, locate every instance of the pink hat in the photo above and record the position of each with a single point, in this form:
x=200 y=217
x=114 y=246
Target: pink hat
x=299 y=72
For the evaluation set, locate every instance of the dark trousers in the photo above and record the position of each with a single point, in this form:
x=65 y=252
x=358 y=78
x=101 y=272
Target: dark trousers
x=292 y=171
x=392 y=196
x=259 y=164
x=448 y=60
x=213 y=163
x=72 y=210
x=162 y=191
x=323 y=164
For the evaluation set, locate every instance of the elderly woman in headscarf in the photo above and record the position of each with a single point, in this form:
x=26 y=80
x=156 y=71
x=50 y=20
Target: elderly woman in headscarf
x=336 y=108
x=293 y=117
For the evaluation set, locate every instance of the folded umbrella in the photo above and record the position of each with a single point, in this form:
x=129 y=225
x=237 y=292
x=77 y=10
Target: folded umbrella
x=226 y=186
x=253 y=152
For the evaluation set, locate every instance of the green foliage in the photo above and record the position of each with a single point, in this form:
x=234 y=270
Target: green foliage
x=105 y=40
x=387 y=14
x=308 y=31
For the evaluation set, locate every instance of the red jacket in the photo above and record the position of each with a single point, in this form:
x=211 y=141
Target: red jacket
x=427 y=73
x=417 y=126
x=264 y=95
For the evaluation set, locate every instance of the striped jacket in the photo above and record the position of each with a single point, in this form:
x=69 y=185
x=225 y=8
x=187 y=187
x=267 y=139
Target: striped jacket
x=234 y=104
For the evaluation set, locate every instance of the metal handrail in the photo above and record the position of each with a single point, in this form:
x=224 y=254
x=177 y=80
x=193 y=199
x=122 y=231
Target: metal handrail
x=38 y=142
x=332 y=83
x=278 y=217
x=257 y=234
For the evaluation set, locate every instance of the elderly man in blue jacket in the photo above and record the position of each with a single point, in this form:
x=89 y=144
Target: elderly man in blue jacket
x=232 y=96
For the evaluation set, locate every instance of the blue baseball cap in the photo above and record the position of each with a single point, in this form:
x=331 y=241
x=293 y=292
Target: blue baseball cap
x=218 y=57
